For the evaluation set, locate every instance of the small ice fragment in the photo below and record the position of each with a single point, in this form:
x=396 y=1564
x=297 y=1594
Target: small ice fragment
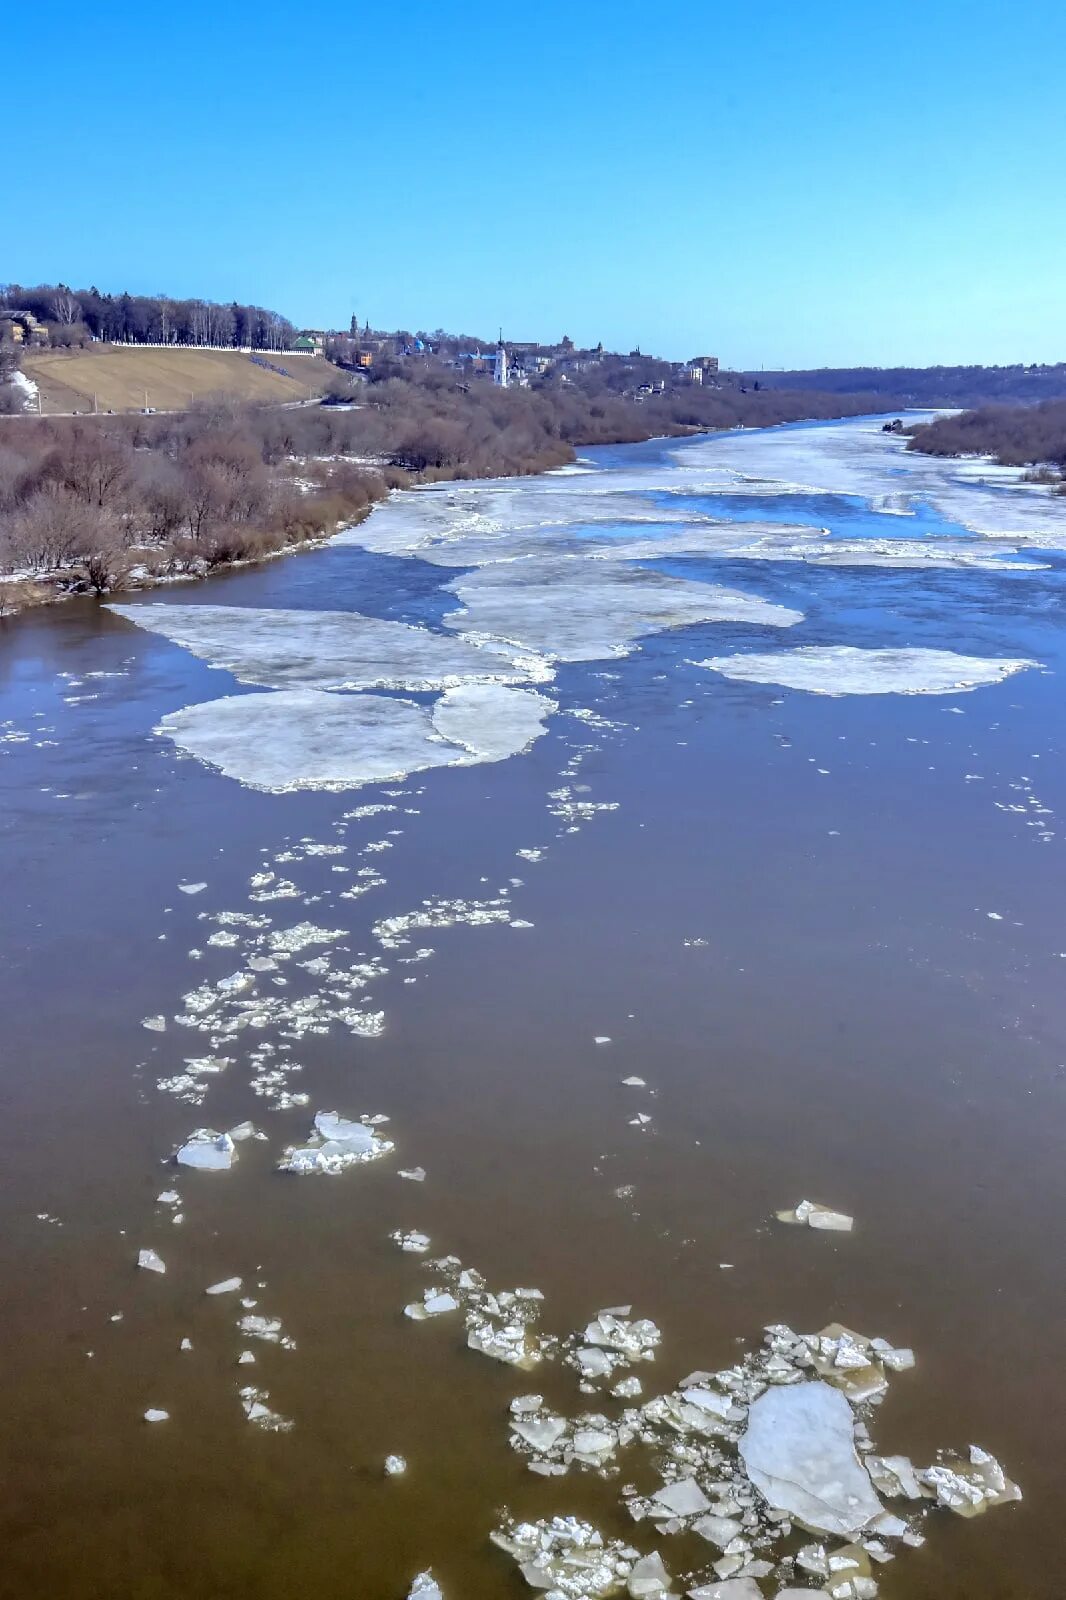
x=246 y=1359
x=682 y=1498
x=731 y=1589
x=207 y=1151
x=154 y=1414
x=416 y=1243
x=226 y=1286
x=150 y=1262
x=394 y=1465
x=192 y=888
x=425 y=1587
x=634 y=1083
x=169 y=1197
x=649 y=1579
x=602 y=1038
x=812 y=1215
x=415 y=1174
x=155 y=1024
x=186 y=1344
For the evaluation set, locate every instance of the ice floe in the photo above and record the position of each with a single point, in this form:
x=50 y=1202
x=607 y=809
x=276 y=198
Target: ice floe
x=425 y=1587
x=846 y=669
x=149 y=1261
x=207 y=1151
x=278 y=649
x=811 y=1215
x=799 y=1451
x=313 y=739
x=574 y=610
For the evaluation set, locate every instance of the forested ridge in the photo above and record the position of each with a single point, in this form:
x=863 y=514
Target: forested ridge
x=928 y=386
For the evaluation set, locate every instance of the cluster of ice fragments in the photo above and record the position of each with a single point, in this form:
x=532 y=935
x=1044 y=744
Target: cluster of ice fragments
x=748 y=1458
x=337 y=1143
x=499 y=1325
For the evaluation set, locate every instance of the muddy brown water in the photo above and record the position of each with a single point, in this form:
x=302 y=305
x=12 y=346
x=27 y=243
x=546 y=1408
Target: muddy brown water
x=854 y=1028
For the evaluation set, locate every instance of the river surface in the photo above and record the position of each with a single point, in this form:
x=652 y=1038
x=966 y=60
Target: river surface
x=827 y=931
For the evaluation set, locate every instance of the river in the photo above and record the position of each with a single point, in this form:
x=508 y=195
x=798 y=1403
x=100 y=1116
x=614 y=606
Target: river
x=823 y=930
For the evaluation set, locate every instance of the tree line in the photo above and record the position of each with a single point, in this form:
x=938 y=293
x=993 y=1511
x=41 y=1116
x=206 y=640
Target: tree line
x=928 y=386
x=1016 y=436
x=75 y=316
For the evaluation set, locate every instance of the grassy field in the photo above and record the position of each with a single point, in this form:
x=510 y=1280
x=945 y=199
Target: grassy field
x=127 y=377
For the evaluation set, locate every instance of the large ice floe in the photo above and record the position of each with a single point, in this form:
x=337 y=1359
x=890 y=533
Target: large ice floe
x=279 y=649
x=314 y=739
x=846 y=669
x=574 y=609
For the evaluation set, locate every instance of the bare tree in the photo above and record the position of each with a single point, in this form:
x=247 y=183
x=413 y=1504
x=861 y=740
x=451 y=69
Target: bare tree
x=65 y=308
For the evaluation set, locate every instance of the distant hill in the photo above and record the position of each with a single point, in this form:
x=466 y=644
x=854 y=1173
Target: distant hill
x=129 y=377
x=928 y=386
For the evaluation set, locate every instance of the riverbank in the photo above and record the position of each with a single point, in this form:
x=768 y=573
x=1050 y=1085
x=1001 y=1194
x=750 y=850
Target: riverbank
x=114 y=505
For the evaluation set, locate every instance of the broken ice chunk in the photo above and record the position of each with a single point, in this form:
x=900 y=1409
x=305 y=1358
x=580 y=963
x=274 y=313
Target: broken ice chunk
x=226 y=1286
x=812 y=1215
x=154 y=1414
x=185 y=1345
x=435 y=1303
x=799 y=1451
x=394 y=1466
x=192 y=888
x=634 y=1083
x=207 y=1151
x=260 y=1414
x=415 y=1243
x=415 y=1174
x=155 y=1024
x=150 y=1262
x=682 y=1498
x=425 y=1587
x=972 y=1488
x=649 y=1579
x=729 y=1589
x=336 y=1143
x=266 y=1328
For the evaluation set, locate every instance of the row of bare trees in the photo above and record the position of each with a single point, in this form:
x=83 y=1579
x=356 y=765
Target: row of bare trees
x=77 y=315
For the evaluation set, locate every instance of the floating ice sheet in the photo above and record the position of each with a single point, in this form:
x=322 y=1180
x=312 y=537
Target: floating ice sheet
x=328 y=649
x=311 y=739
x=570 y=609
x=799 y=1451
x=845 y=669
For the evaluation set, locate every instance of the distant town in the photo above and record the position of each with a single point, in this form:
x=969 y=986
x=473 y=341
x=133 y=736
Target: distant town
x=54 y=317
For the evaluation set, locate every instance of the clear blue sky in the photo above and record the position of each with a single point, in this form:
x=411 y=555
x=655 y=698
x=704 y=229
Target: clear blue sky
x=781 y=183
